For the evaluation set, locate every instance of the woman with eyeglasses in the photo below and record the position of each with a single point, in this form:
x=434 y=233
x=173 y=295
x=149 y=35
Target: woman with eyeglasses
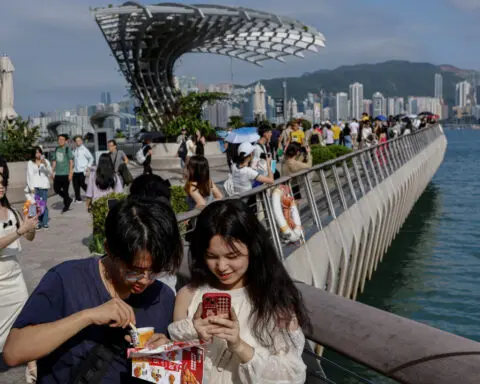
x=13 y=292
x=76 y=321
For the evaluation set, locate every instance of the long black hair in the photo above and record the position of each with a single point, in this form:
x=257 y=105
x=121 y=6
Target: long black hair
x=6 y=173
x=34 y=153
x=198 y=172
x=105 y=177
x=6 y=204
x=274 y=297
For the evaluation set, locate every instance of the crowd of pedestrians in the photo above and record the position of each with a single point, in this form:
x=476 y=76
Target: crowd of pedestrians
x=74 y=326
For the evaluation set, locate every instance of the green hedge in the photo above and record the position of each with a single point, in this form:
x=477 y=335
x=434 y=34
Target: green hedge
x=100 y=212
x=178 y=199
x=339 y=150
x=321 y=154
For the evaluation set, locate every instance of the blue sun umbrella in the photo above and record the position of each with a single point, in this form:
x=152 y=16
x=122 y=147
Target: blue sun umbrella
x=381 y=118
x=243 y=135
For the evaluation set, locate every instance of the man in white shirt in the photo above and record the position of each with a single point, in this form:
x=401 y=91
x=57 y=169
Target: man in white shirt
x=82 y=160
x=262 y=150
x=354 y=127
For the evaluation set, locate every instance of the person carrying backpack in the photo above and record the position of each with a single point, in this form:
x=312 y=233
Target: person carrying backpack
x=182 y=149
x=62 y=166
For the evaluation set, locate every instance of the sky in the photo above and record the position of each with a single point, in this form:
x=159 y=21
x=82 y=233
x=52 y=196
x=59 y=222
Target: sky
x=62 y=60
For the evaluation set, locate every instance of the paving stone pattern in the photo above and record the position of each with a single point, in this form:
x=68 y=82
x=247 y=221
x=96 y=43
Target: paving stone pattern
x=65 y=240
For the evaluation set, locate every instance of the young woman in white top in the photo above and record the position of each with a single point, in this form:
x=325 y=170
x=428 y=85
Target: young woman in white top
x=13 y=293
x=262 y=341
x=243 y=175
x=39 y=172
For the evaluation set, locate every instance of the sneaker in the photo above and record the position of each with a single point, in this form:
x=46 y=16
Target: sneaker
x=78 y=201
x=45 y=227
x=67 y=205
x=39 y=227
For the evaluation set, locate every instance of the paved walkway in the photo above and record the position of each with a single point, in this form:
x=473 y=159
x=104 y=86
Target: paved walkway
x=66 y=239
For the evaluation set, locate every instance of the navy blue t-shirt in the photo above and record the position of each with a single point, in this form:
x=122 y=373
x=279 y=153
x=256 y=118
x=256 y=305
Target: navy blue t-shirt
x=77 y=285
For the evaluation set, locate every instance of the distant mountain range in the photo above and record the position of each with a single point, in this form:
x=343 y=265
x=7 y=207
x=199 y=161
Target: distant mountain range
x=392 y=78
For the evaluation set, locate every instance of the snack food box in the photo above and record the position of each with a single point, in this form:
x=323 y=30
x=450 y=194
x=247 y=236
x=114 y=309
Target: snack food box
x=173 y=363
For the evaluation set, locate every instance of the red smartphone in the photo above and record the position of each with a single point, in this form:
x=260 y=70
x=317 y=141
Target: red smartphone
x=215 y=304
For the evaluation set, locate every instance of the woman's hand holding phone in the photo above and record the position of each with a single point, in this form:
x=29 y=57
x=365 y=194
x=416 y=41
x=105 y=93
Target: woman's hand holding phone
x=202 y=326
x=227 y=329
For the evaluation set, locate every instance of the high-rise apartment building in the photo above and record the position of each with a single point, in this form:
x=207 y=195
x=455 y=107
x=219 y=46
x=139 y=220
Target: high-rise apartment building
x=391 y=106
x=218 y=113
x=259 y=107
x=186 y=84
x=106 y=98
x=379 y=104
x=342 y=106
x=356 y=100
x=462 y=94
x=399 y=105
x=367 y=106
x=438 y=86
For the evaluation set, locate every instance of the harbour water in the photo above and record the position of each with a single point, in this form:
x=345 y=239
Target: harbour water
x=430 y=273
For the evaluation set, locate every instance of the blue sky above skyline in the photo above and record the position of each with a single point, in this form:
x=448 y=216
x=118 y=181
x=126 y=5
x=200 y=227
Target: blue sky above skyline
x=62 y=60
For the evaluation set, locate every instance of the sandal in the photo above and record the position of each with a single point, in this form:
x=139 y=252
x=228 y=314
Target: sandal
x=31 y=374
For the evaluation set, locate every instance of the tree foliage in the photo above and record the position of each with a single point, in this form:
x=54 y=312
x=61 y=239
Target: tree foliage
x=236 y=122
x=18 y=139
x=188 y=114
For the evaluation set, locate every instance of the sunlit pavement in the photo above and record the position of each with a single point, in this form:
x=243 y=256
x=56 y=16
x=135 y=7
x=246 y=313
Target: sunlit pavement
x=66 y=239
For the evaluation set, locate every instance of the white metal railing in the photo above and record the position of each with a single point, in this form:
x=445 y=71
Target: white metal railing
x=329 y=189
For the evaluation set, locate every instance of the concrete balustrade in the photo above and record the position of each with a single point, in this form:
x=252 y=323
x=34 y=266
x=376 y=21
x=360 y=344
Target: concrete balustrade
x=396 y=347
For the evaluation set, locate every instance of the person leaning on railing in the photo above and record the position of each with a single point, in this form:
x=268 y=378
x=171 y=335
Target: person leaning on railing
x=295 y=162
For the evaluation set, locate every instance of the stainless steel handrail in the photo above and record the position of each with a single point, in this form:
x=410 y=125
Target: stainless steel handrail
x=339 y=182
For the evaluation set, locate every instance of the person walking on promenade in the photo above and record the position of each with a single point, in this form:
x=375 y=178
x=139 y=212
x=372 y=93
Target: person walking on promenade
x=354 y=127
x=82 y=161
x=39 y=172
x=262 y=151
x=102 y=180
x=182 y=149
x=199 y=143
x=74 y=323
x=296 y=135
x=118 y=157
x=262 y=340
x=347 y=136
x=13 y=292
x=336 y=133
x=147 y=152
x=62 y=165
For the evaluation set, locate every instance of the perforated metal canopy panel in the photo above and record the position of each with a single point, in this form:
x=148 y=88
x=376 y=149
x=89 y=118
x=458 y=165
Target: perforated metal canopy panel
x=147 y=40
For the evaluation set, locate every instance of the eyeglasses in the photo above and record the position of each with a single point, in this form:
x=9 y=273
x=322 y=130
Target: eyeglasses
x=137 y=276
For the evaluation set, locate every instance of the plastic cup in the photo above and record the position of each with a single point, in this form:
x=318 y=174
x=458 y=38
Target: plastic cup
x=144 y=334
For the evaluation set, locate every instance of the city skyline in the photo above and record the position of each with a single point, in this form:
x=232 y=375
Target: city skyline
x=69 y=69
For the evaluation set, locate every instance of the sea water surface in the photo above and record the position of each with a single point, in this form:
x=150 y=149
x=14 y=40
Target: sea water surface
x=431 y=273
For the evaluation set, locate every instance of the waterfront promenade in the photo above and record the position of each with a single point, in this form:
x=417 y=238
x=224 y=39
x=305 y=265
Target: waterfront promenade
x=66 y=239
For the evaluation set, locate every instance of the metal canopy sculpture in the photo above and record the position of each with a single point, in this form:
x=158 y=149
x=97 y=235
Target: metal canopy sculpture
x=147 y=40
